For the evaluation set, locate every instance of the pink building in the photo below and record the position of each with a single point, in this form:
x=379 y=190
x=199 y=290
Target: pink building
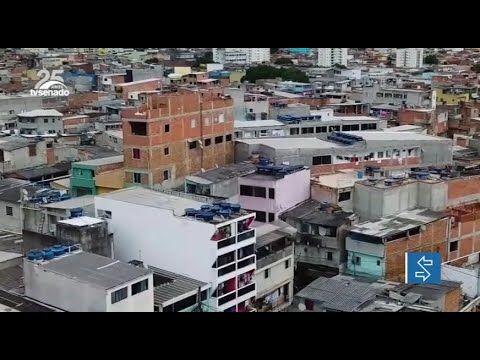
x=274 y=189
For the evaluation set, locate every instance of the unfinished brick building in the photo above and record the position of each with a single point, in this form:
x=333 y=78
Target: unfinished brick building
x=177 y=134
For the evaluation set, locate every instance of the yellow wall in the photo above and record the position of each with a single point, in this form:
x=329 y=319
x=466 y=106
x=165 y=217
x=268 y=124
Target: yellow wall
x=110 y=180
x=451 y=99
x=31 y=74
x=182 y=70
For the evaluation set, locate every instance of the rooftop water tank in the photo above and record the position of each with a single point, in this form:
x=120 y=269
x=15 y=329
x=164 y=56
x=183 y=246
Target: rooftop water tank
x=206 y=215
x=58 y=250
x=205 y=207
x=191 y=212
x=76 y=212
x=235 y=208
x=225 y=205
x=224 y=213
x=48 y=254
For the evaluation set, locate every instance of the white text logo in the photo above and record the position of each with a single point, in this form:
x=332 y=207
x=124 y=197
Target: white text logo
x=50 y=84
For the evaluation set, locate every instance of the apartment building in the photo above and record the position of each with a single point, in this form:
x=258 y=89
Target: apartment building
x=211 y=243
x=241 y=55
x=40 y=122
x=72 y=280
x=268 y=191
x=18 y=153
x=330 y=56
x=353 y=150
x=409 y=58
x=177 y=134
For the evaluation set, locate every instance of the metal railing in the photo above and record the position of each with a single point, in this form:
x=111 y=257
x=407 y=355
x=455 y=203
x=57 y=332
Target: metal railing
x=276 y=256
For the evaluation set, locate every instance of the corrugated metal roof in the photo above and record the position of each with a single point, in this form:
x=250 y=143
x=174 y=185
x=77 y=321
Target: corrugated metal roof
x=174 y=285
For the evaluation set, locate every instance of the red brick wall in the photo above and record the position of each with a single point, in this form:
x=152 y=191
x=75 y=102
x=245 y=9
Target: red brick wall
x=433 y=239
x=127 y=88
x=386 y=164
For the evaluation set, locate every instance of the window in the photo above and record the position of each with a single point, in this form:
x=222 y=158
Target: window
x=119 y=295
x=454 y=246
x=228 y=137
x=380 y=154
x=32 y=150
x=49 y=145
x=139 y=287
x=357 y=261
x=192 y=145
x=266 y=274
x=255 y=191
x=167 y=128
x=166 y=151
x=136 y=153
x=378 y=262
x=261 y=216
x=308 y=130
x=287 y=264
x=329 y=256
x=321 y=129
x=45 y=121
x=321 y=160
x=294 y=131
x=271 y=217
x=9 y=210
x=208 y=142
x=344 y=196
x=309 y=304
x=218 y=139
x=193 y=123
x=138 y=128
x=334 y=128
x=137 y=178
x=271 y=193
x=166 y=175
x=379 y=94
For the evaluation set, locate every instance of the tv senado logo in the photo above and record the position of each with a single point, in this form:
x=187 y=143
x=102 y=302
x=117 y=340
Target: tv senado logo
x=50 y=84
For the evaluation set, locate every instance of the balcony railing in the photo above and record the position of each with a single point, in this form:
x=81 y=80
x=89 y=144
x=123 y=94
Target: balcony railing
x=246 y=289
x=224 y=299
x=273 y=257
x=226 y=242
x=226 y=270
x=246 y=262
x=246 y=235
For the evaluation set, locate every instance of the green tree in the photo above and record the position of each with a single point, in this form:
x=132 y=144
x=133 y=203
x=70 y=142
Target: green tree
x=270 y=72
x=431 y=59
x=476 y=67
x=206 y=58
x=152 y=61
x=339 y=66
x=283 y=61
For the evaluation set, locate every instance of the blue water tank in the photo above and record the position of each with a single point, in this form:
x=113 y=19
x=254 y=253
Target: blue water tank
x=205 y=207
x=31 y=255
x=191 y=212
x=235 y=208
x=48 y=254
x=359 y=174
x=225 y=205
x=215 y=208
x=77 y=212
x=207 y=215
x=58 y=250
x=224 y=213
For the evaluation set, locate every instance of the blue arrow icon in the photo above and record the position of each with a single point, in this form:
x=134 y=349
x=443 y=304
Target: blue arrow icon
x=422 y=268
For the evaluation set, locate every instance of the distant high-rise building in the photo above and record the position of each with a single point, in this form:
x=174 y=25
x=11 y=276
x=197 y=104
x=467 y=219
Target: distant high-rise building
x=240 y=55
x=330 y=56
x=409 y=58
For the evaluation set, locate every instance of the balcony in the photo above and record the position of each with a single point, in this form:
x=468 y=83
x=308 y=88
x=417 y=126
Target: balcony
x=226 y=298
x=226 y=242
x=246 y=290
x=246 y=235
x=222 y=233
x=246 y=262
x=274 y=257
x=226 y=270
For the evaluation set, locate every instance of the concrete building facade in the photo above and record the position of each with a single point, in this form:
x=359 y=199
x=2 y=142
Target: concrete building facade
x=330 y=56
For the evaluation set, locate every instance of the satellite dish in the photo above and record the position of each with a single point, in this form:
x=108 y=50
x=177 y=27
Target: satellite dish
x=302 y=307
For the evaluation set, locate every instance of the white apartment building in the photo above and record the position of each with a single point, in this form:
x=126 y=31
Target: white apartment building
x=241 y=55
x=330 y=56
x=40 y=122
x=73 y=280
x=411 y=58
x=213 y=244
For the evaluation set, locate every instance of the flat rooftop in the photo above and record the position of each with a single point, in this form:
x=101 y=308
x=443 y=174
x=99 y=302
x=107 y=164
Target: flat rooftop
x=411 y=128
x=40 y=112
x=146 y=197
x=94 y=269
x=81 y=221
x=291 y=143
x=392 y=225
x=101 y=161
x=257 y=123
x=72 y=203
x=339 y=180
x=223 y=173
x=396 y=136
